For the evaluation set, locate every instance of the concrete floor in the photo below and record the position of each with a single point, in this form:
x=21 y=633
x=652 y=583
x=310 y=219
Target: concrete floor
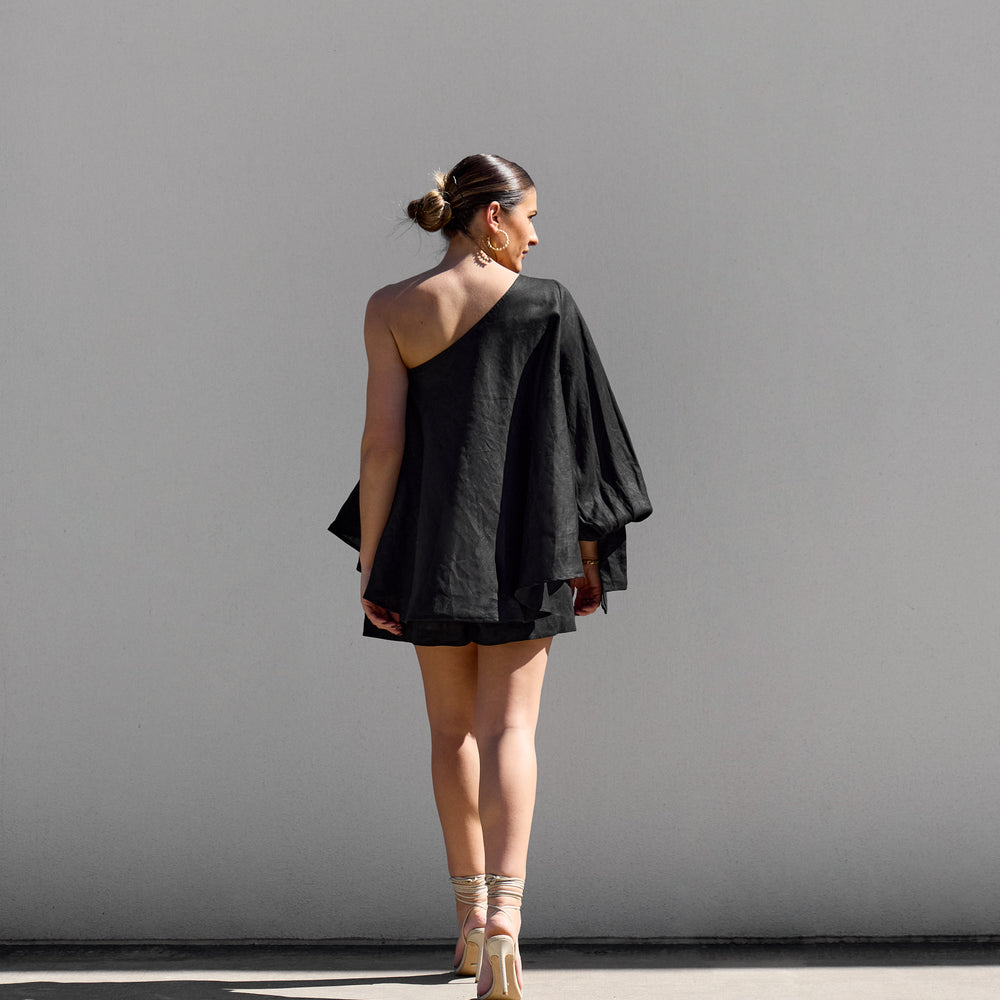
x=903 y=971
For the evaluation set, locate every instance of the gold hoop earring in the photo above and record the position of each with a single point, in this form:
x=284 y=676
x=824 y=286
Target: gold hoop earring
x=489 y=242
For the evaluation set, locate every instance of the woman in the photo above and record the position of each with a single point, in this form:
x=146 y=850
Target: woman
x=496 y=482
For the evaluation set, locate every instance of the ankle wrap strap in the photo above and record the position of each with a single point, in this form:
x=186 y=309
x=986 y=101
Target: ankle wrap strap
x=505 y=887
x=470 y=890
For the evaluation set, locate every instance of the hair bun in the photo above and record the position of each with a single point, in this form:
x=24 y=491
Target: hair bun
x=431 y=212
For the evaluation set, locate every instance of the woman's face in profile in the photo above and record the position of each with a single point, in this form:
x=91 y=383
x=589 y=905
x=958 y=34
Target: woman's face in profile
x=518 y=225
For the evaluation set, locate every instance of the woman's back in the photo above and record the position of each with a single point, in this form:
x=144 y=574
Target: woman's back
x=427 y=313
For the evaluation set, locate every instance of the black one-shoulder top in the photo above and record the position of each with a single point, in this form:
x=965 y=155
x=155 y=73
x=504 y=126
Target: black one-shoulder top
x=515 y=450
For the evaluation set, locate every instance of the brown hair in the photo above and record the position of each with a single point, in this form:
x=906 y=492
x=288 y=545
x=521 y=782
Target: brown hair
x=472 y=183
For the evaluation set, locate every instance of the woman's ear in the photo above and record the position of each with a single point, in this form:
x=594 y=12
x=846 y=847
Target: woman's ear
x=493 y=215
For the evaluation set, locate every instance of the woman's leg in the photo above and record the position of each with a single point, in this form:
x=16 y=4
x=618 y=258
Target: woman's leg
x=507 y=702
x=449 y=675
x=482 y=703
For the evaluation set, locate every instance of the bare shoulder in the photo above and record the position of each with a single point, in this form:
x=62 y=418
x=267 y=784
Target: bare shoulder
x=393 y=312
x=384 y=305
x=426 y=313
x=402 y=297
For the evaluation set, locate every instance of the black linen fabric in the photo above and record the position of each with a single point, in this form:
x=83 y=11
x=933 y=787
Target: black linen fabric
x=515 y=450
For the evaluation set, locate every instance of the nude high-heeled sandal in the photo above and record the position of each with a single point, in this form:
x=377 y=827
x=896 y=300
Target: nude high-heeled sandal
x=472 y=892
x=502 y=953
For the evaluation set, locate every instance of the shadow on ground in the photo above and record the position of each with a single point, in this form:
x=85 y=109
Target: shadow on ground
x=218 y=989
x=114 y=972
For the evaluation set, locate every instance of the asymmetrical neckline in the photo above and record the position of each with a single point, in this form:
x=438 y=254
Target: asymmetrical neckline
x=482 y=319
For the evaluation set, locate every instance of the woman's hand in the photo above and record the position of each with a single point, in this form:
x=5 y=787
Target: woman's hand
x=378 y=616
x=587 y=591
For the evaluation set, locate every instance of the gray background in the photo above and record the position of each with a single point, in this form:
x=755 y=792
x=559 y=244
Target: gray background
x=780 y=219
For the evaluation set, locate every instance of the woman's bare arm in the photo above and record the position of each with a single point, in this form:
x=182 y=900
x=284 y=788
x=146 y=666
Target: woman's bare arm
x=381 y=443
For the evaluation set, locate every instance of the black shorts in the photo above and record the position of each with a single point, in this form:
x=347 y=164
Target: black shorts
x=558 y=618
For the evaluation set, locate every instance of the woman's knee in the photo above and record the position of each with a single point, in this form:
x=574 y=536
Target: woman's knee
x=452 y=731
x=493 y=735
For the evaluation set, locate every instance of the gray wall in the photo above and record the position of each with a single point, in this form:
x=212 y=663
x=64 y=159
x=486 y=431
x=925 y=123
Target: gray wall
x=781 y=220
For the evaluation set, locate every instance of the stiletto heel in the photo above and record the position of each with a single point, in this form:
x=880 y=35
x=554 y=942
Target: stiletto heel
x=472 y=956
x=502 y=953
x=472 y=892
